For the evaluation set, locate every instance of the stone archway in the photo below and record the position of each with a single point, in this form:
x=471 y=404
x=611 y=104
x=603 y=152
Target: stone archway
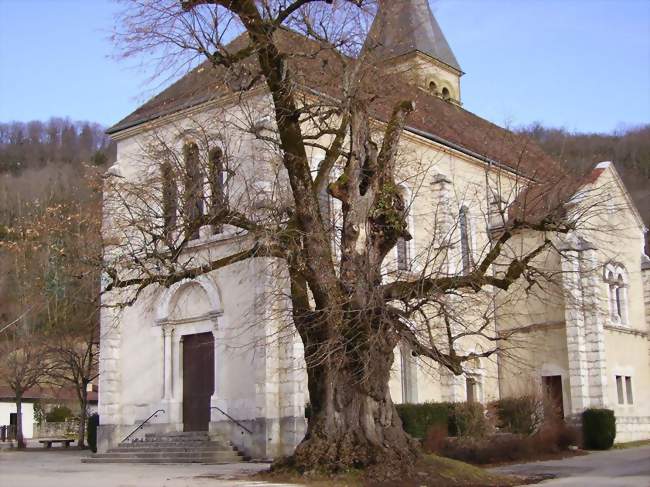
x=171 y=298
x=189 y=309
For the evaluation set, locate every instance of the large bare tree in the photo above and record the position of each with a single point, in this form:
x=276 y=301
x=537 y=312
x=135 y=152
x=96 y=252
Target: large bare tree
x=349 y=315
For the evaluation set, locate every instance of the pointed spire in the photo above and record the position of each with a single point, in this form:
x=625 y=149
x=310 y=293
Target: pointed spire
x=405 y=26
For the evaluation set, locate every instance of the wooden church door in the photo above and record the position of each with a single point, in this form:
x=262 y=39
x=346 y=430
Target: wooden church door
x=198 y=380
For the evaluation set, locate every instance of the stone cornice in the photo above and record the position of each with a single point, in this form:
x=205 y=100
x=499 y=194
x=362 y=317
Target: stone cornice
x=546 y=325
x=625 y=330
x=211 y=316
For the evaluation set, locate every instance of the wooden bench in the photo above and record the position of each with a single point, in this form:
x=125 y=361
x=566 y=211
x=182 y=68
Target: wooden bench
x=47 y=442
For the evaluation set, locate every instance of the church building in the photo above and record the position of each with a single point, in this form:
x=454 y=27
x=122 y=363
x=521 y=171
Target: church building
x=207 y=354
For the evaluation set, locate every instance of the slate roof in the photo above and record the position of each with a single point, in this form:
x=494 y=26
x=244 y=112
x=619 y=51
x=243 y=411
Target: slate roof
x=46 y=393
x=405 y=26
x=320 y=70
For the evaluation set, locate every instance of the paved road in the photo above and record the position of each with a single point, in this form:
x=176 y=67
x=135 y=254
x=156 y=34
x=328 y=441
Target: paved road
x=58 y=467
x=615 y=468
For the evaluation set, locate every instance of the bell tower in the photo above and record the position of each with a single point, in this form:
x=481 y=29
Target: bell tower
x=405 y=37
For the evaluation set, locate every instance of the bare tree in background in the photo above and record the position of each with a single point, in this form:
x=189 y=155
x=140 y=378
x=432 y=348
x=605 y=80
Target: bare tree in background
x=349 y=314
x=73 y=358
x=53 y=255
x=23 y=366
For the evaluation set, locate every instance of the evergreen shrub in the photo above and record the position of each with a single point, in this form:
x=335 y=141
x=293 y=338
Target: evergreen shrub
x=598 y=428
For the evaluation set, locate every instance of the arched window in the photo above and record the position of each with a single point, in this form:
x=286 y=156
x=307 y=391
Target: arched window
x=408 y=375
x=325 y=206
x=169 y=198
x=216 y=181
x=193 y=191
x=402 y=254
x=445 y=93
x=474 y=380
x=616 y=278
x=465 y=245
x=471 y=387
x=433 y=87
x=403 y=247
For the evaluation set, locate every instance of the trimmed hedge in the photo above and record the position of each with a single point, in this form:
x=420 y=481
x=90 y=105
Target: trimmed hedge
x=91 y=431
x=598 y=428
x=418 y=418
x=456 y=419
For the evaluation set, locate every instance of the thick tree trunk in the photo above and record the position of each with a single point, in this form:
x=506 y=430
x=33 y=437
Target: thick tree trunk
x=19 y=422
x=354 y=423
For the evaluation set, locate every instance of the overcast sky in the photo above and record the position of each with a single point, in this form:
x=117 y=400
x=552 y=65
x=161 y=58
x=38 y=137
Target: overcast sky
x=579 y=64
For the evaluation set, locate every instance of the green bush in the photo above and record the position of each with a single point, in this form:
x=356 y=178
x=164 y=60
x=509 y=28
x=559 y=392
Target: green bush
x=522 y=415
x=598 y=428
x=58 y=414
x=91 y=431
x=468 y=419
x=457 y=419
x=417 y=419
x=39 y=413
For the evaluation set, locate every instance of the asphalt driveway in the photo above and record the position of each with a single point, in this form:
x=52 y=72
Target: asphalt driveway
x=60 y=467
x=615 y=468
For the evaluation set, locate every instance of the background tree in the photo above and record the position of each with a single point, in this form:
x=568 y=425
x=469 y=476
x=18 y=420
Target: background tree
x=22 y=367
x=52 y=250
x=73 y=299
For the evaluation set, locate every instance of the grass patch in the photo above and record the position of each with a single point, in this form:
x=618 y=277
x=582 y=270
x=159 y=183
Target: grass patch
x=430 y=471
x=631 y=444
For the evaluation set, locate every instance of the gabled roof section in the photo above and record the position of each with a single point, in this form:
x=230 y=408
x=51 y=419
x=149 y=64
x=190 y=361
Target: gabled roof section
x=404 y=26
x=321 y=71
x=551 y=196
x=598 y=170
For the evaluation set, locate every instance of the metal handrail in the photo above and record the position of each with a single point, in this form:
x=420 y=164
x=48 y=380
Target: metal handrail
x=232 y=419
x=142 y=424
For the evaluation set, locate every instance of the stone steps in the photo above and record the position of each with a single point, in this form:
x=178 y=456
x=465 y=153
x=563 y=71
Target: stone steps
x=190 y=447
x=198 y=456
x=175 y=444
x=185 y=436
x=171 y=449
x=152 y=460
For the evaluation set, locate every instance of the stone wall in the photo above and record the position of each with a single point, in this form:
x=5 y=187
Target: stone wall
x=632 y=428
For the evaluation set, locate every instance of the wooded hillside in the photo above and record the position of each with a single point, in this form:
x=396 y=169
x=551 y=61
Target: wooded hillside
x=45 y=174
x=629 y=150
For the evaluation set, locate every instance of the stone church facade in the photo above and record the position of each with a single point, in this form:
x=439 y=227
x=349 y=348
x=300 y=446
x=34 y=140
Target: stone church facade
x=207 y=353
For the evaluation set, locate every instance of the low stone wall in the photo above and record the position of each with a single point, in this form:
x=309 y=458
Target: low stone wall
x=56 y=430
x=632 y=428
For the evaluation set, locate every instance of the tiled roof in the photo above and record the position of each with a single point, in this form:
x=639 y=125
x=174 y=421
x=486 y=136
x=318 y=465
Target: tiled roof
x=47 y=394
x=321 y=70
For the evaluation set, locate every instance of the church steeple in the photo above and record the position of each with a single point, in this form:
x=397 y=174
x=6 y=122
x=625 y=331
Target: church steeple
x=406 y=35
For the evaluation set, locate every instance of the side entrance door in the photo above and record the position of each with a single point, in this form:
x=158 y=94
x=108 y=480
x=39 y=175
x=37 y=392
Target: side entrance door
x=198 y=380
x=553 y=393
